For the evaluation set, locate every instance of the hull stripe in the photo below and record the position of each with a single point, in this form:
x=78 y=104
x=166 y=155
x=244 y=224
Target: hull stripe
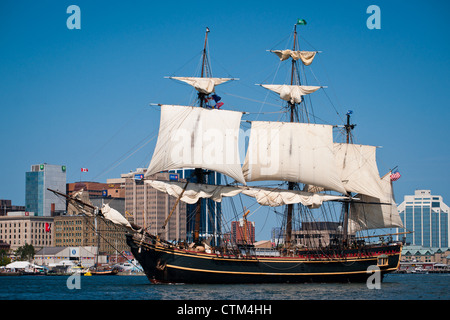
x=274 y=274
x=265 y=259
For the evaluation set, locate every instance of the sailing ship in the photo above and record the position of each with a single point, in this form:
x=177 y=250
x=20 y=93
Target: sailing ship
x=314 y=171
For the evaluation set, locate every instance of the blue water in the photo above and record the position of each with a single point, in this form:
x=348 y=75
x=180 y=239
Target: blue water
x=393 y=287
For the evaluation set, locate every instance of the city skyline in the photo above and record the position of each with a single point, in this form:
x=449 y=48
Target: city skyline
x=81 y=97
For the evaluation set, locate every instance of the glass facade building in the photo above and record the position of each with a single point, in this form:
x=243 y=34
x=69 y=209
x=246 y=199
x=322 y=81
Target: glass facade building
x=211 y=215
x=427 y=216
x=37 y=198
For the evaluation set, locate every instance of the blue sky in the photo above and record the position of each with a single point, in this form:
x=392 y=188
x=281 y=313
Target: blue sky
x=81 y=98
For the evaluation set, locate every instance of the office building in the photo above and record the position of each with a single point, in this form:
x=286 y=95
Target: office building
x=80 y=230
x=427 y=217
x=243 y=232
x=38 y=199
x=97 y=189
x=20 y=228
x=149 y=208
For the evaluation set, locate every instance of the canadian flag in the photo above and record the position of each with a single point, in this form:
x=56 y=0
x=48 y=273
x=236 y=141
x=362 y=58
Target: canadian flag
x=84 y=170
x=47 y=227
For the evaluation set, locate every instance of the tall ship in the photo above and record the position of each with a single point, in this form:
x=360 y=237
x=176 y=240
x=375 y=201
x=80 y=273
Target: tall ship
x=295 y=167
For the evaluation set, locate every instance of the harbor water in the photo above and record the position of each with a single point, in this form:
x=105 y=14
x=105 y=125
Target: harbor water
x=393 y=287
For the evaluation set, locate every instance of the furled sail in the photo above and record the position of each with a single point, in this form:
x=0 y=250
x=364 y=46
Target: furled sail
x=203 y=85
x=358 y=169
x=194 y=191
x=376 y=213
x=272 y=197
x=307 y=57
x=116 y=217
x=194 y=137
x=291 y=93
x=296 y=152
x=279 y=197
x=75 y=207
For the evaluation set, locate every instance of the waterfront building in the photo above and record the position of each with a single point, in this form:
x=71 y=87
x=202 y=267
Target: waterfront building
x=427 y=216
x=422 y=254
x=38 y=199
x=78 y=229
x=87 y=255
x=20 y=228
x=149 y=208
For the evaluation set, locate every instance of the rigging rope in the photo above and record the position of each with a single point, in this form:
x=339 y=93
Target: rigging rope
x=97 y=230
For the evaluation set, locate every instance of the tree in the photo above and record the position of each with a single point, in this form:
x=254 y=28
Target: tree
x=25 y=252
x=4 y=259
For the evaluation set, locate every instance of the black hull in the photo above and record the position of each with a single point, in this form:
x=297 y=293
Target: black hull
x=165 y=264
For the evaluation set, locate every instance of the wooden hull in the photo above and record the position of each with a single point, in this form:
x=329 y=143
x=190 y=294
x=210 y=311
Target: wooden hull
x=162 y=263
x=104 y=273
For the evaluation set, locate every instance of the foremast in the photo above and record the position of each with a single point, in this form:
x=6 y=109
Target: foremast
x=199 y=172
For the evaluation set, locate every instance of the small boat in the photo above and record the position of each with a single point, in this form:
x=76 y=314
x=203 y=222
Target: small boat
x=109 y=272
x=78 y=269
x=10 y=273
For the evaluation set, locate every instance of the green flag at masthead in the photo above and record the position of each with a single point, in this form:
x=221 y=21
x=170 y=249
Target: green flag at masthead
x=301 y=22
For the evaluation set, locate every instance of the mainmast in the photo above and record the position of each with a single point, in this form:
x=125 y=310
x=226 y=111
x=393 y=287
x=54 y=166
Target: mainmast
x=291 y=184
x=348 y=133
x=199 y=173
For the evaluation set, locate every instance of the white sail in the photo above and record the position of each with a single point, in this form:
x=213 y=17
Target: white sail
x=378 y=213
x=194 y=191
x=296 y=152
x=194 y=137
x=291 y=93
x=279 y=197
x=75 y=208
x=306 y=57
x=115 y=217
x=358 y=169
x=203 y=85
x=272 y=197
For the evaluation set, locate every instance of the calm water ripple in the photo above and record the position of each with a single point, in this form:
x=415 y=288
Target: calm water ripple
x=394 y=287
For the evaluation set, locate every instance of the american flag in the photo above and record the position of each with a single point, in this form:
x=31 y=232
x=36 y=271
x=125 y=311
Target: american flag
x=395 y=175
